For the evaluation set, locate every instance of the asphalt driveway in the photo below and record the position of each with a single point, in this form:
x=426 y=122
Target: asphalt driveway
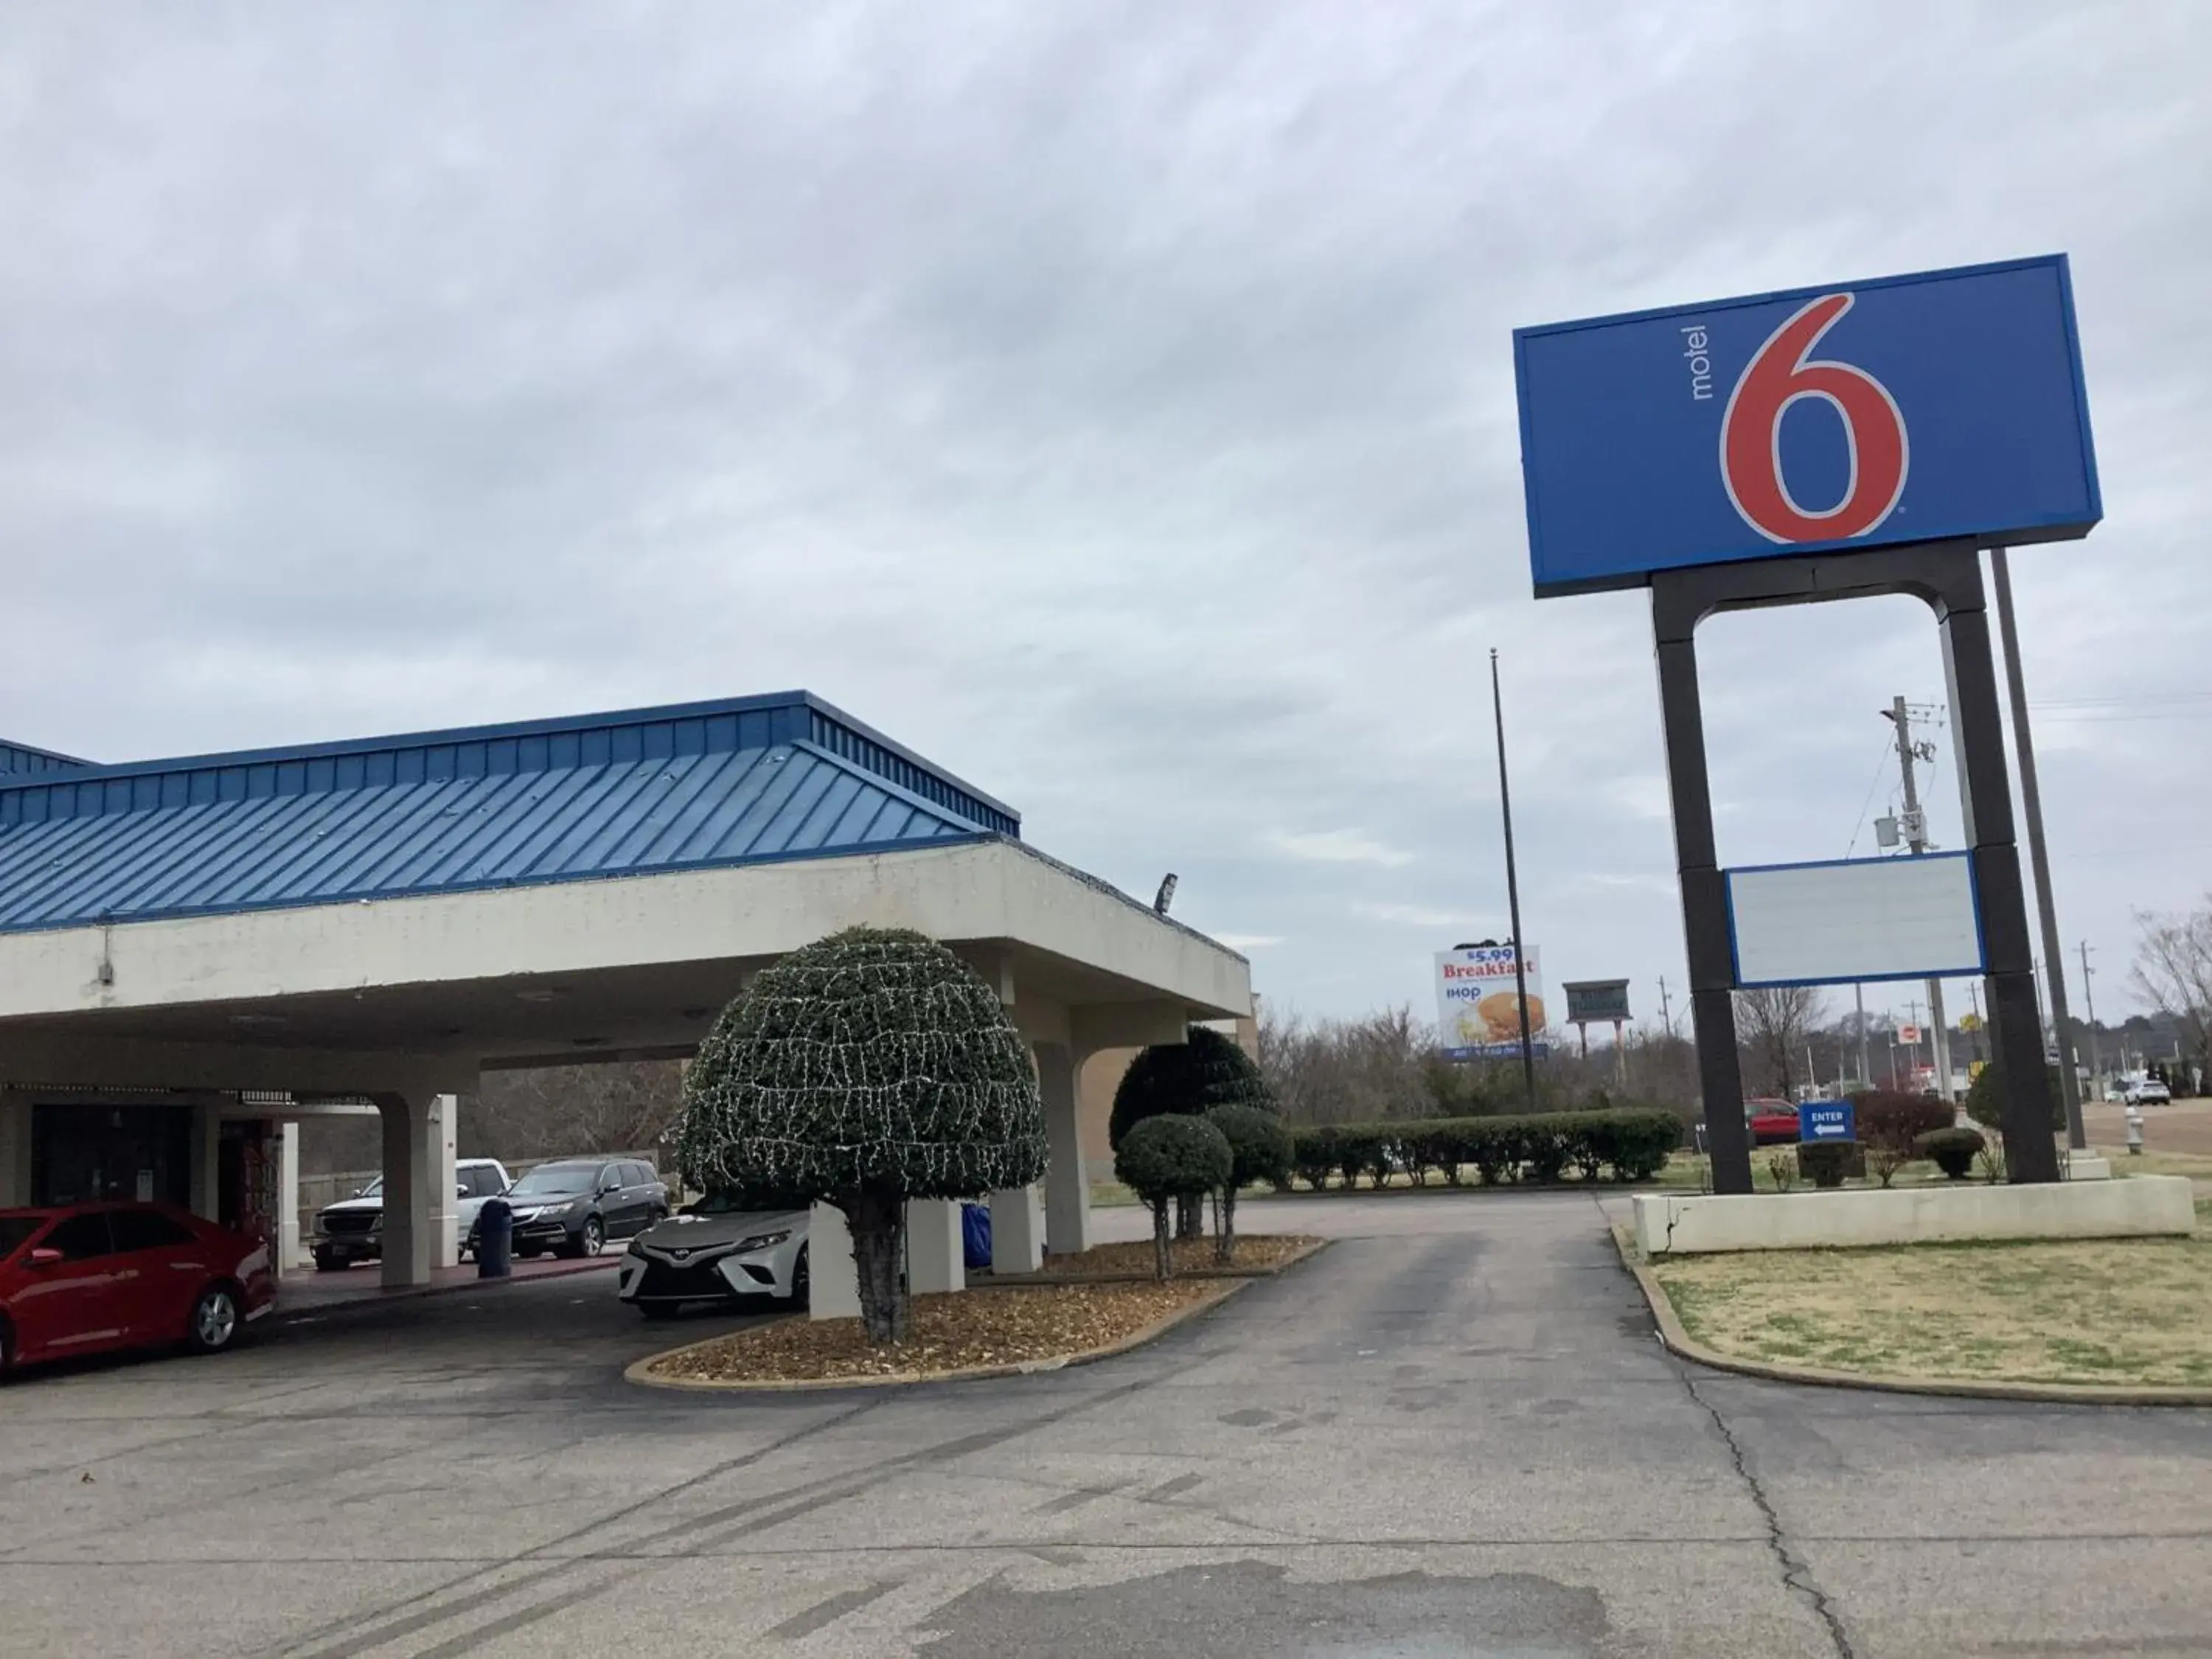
x=1452 y=1433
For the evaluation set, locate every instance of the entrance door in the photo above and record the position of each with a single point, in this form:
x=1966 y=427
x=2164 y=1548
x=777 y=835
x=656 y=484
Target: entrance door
x=85 y=1152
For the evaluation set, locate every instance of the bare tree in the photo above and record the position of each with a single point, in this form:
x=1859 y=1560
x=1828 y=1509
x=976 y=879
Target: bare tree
x=1355 y=1071
x=1775 y=1021
x=2173 y=973
x=612 y=1107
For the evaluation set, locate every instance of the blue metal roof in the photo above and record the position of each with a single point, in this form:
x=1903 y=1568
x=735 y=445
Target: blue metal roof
x=742 y=781
x=22 y=758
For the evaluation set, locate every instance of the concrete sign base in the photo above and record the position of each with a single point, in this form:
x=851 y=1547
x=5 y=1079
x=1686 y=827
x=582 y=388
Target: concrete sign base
x=1698 y=1223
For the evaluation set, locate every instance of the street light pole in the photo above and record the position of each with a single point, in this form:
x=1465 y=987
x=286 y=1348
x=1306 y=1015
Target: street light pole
x=1513 y=893
x=2089 y=990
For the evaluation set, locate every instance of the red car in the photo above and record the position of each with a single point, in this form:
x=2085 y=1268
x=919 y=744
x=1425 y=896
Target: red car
x=1773 y=1123
x=90 y=1277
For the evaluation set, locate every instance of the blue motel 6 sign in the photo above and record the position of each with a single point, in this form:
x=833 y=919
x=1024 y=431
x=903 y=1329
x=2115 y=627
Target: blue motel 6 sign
x=1848 y=415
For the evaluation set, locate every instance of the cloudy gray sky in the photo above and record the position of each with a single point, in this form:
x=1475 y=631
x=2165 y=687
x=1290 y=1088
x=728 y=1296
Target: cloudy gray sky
x=1112 y=402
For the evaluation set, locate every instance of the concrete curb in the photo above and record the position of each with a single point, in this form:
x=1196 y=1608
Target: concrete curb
x=1311 y=1248
x=637 y=1372
x=1679 y=1341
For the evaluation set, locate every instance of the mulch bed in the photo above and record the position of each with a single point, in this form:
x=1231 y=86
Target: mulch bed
x=1032 y=1326
x=1257 y=1254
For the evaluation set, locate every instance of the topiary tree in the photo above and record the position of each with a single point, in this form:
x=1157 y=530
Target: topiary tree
x=863 y=1070
x=1259 y=1150
x=1187 y=1077
x=1167 y=1157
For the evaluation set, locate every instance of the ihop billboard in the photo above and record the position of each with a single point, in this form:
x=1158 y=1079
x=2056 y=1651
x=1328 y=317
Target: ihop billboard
x=1848 y=415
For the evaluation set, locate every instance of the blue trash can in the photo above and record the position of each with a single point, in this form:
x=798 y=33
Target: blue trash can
x=976 y=1236
x=495 y=1239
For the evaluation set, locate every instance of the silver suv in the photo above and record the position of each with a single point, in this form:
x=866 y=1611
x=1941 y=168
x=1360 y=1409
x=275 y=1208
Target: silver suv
x=352 y=1229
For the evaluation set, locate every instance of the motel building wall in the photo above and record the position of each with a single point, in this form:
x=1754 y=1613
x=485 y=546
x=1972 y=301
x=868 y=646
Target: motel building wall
x=198 y=954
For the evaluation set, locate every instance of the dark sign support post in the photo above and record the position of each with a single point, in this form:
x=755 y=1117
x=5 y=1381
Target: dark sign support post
x=1675 y=617
x=1513 y=895
x=1948 y=577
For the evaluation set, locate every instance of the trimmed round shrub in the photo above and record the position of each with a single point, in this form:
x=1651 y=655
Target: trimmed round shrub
x=1169 y=1156
x=1191 y=1076
x=1259 y=1150
x=862 y=1070
x=1632 y=1141
x=1165 y=1157
x=1313 y=1156
x=1825 y=1162
x=1259 y=1145
x=1952 y=1151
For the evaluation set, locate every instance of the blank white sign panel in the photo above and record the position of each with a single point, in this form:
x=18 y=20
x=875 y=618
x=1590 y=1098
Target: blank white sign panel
x=1901 y=918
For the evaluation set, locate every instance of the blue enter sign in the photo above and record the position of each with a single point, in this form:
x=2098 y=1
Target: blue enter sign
x=1826 y=1120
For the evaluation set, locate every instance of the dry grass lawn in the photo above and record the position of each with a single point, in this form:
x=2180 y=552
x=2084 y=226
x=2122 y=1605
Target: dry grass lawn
x=2116 y=1312
x=955 y=1333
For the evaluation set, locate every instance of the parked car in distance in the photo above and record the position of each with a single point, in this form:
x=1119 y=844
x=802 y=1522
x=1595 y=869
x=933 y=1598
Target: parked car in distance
x=729 y=1247
x=575 y=1205
x=352 y=1229
x=93 y=1278
x=1773 y=1123
x=2146 y=1091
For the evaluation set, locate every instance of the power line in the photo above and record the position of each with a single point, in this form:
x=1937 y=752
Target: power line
x=1880 y=766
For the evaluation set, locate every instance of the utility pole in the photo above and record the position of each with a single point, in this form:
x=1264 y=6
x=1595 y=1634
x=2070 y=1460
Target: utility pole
x=2089 y=990
x=1513 y=893
x=1858 y=1001
x=1666 y=1013
x=1916 y=828
x=2030 y=796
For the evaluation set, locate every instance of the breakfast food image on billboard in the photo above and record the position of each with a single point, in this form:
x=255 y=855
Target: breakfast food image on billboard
x=1479 y=1005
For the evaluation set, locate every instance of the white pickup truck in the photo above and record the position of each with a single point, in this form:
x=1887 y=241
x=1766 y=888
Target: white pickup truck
x=352 y=1229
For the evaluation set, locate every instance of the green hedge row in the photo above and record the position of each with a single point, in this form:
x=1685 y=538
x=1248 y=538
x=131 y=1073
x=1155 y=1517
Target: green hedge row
x=1631 y=1143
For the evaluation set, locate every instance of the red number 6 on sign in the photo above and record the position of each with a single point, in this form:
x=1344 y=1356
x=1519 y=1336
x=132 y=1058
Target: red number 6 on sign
x=1751 y=434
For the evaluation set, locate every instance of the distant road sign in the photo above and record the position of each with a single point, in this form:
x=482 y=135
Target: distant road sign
x=1842 y=417
x=1596 y=1001
x=1908 y=1034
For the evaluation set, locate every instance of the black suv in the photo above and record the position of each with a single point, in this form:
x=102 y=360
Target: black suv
x=574 y=1205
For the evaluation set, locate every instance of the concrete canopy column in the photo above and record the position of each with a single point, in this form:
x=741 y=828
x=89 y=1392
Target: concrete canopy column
x=1016 y=1231
x=445 y=1215
x=1068 y=1188
x=836 y=1281
x=289 y=1258
x=412 y=1133
x=935 y=1259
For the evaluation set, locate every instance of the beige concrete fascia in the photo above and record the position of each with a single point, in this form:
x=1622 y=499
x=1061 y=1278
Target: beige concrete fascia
x=31 y=1059
x=986 y=890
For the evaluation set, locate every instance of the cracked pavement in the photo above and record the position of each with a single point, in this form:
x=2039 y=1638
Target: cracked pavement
x=1450 y=1433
